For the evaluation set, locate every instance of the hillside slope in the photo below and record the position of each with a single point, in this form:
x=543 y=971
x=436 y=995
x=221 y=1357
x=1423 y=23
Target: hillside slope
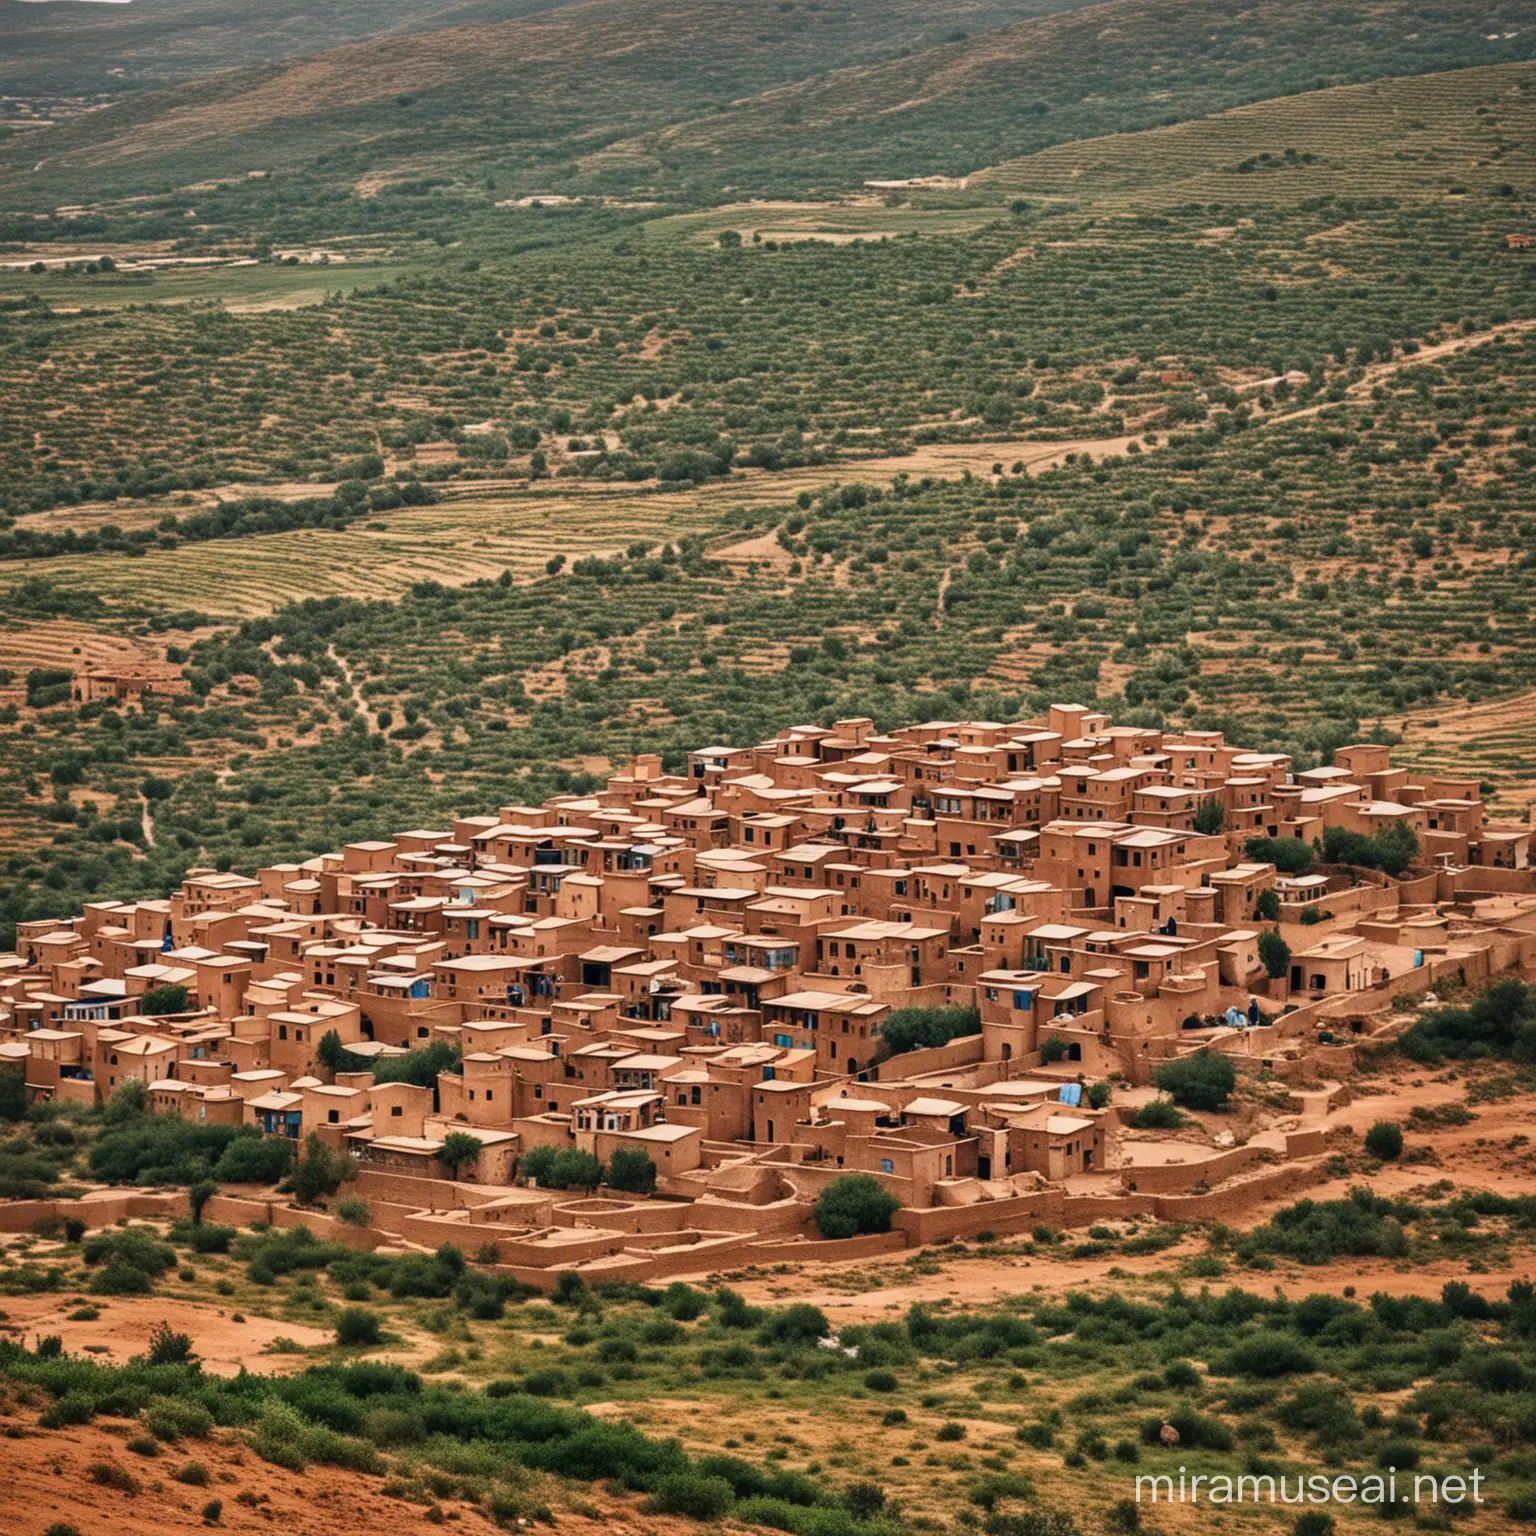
x=54 y=1476
x=48 y=52
x=1419 y=136
x=525 y=88
x=1125 y=65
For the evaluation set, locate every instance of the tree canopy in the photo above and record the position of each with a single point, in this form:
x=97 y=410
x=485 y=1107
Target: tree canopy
x=854 y=1204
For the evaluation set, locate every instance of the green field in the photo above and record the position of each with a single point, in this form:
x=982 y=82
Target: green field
x=1179 y=363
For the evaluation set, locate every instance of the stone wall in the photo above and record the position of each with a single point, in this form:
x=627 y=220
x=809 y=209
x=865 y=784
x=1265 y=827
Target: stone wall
x=1177 y=1178
x=103 y=1210
x=964 y=1052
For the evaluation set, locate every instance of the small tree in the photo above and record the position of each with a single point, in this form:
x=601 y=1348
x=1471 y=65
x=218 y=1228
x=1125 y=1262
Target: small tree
x=167 y=1347
x=459 y=1149
x=1385 y=1140
x=254 y=1159
x=198 y=1197
x=128 y=1102
x=1274 y=953
x=576 y=1170
x=320 y=1172
x=13 y=1094
x=854 y=1204
x=1202 y=1081
x=537 y=1163
x=1210 y=818
x=1157 y=1115
x=1267 y=907
x=1052 y=1048
x=1395 y=848
x=1290 y=855
x=912 y=1029
x=632 y=1170
x=159 y=1001
x=335 y=1057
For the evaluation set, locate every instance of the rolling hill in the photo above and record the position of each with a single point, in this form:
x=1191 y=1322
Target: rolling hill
x=531 y=89
x=1421 y=136
x=1123 y=66
x=50 y=53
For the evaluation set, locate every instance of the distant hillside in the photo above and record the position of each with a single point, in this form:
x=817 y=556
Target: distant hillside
x=1123 y=66
x=1425 y=135
x=62 y=50
x=535 y=90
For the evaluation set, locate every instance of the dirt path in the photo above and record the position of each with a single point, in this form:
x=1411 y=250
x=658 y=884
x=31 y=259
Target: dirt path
x=1376 y=372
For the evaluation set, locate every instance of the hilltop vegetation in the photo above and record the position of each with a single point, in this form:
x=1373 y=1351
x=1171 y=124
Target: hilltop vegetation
x=545 y=88
x=1292 y=582
x=670 y=454
x=1127 y=66
x=622 y=361
x=56 y=57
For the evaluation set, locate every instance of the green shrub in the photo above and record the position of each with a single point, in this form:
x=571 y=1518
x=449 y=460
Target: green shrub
x=1501 y=1023
x=353 y=1210
x=254 y=1159
x=165 y=1000
x=1384 y=1140
x=880 y=1381
x=174 y=1418
x=912 y=1029
x=854 y=1204
x=109 y=1475
x=1268 y=1355
x=320 y=1172
x=1274 y=952
x=168 y=1347
x=358 y=1326
x=1203 y=1081
x=631 y=1170
x=686 y=1493
x=1156 y=1115
x=863 y=1500
x=799 y=1324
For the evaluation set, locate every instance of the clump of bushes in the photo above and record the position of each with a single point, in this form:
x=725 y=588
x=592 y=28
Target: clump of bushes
x=855 y=1204
x=358 y=1326
x=1203 y=1081
x=912 y=1029
x=1156 y=1115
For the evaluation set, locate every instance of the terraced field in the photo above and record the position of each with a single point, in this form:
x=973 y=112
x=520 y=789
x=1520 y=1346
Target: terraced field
x=1412 y=138
x=1149 y=353
x=1492 y=739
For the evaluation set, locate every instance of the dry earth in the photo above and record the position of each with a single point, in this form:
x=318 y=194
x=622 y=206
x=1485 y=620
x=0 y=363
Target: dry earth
x=47 y=1481
x=123 y=1329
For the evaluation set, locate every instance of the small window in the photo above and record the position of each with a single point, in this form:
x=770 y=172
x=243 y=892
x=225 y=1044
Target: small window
x=887 y=1166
